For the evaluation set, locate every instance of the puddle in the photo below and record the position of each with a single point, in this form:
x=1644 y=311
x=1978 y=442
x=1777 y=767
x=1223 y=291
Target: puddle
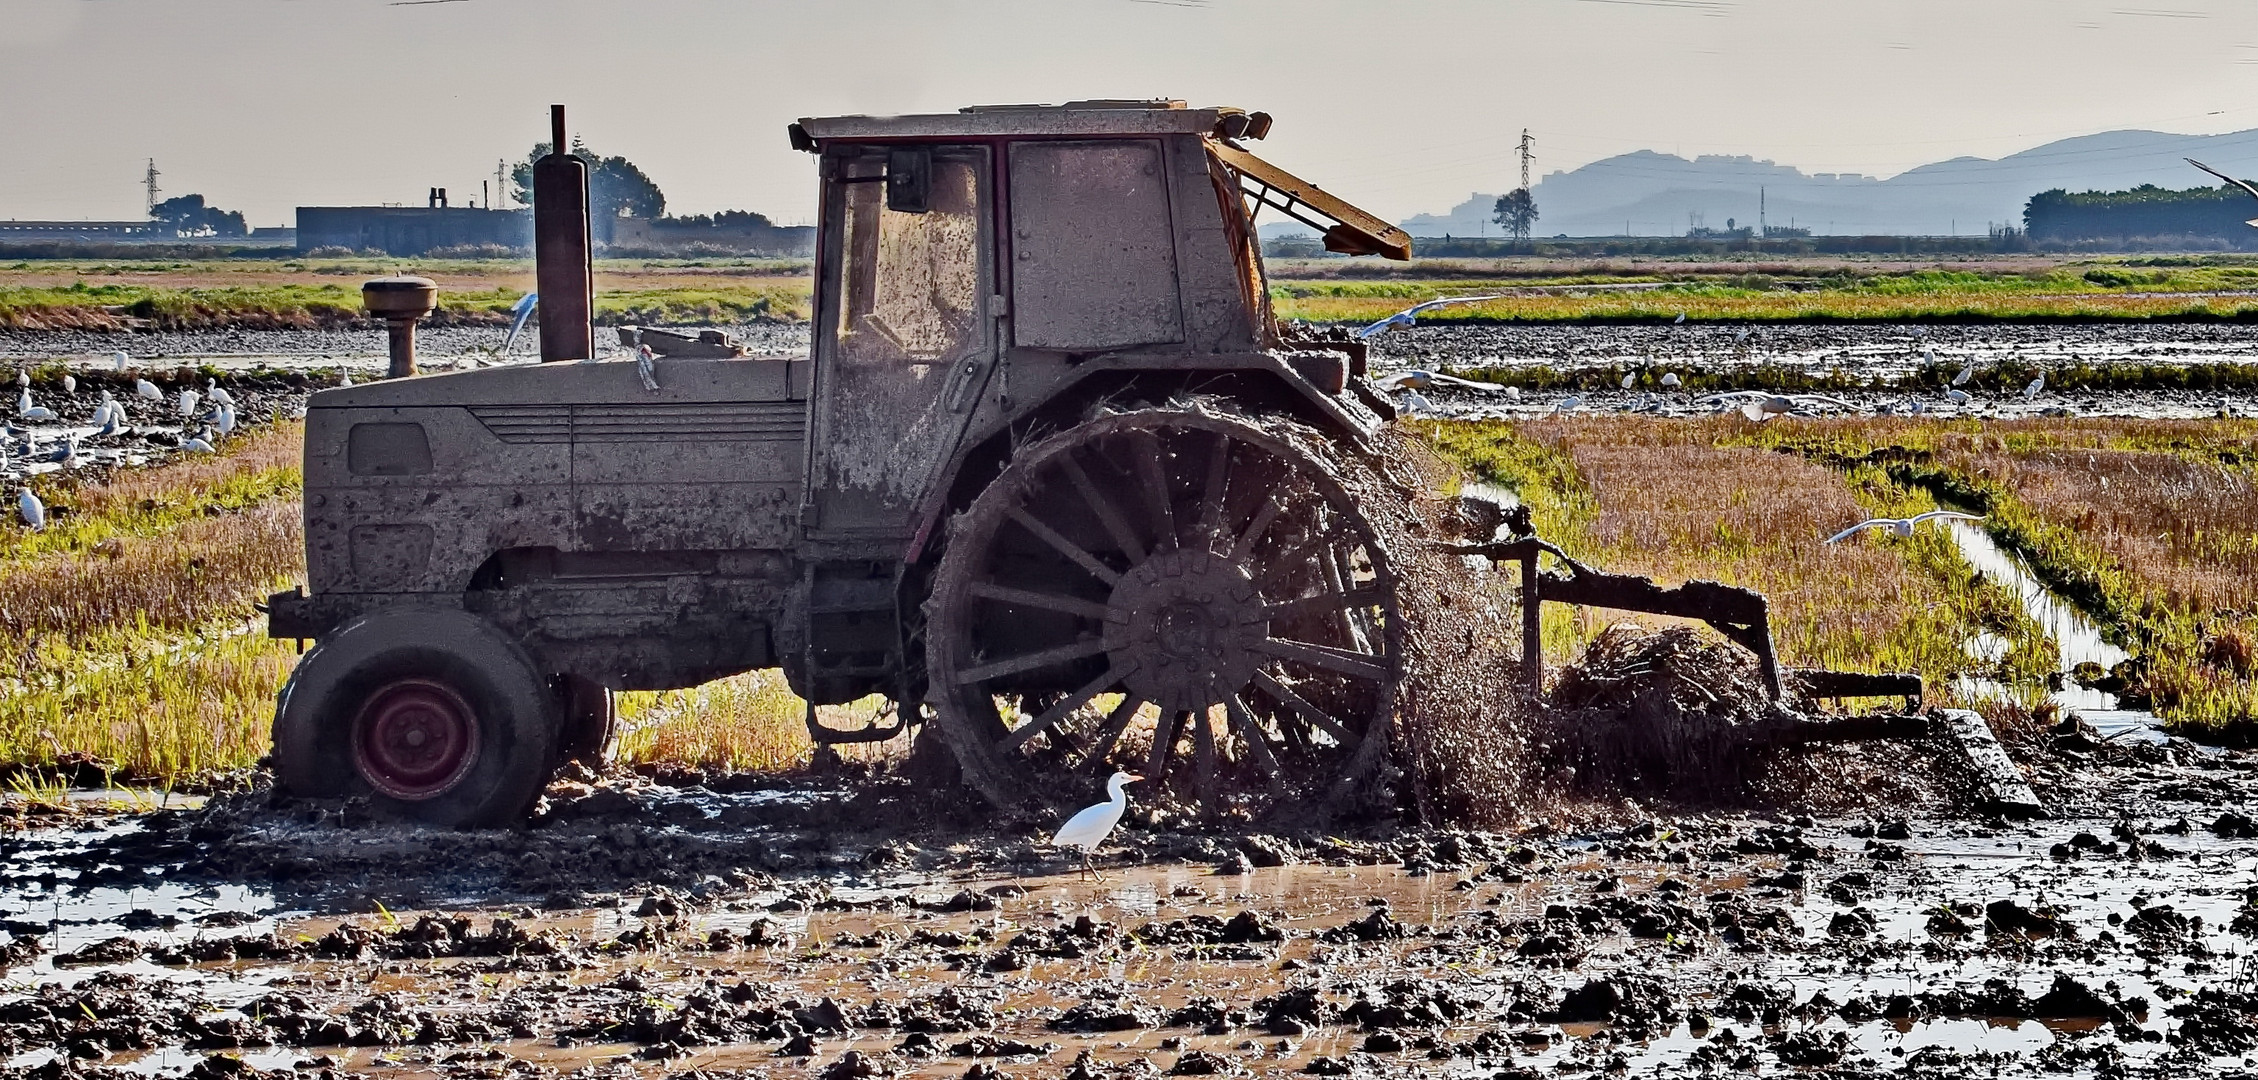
x=2079 y=640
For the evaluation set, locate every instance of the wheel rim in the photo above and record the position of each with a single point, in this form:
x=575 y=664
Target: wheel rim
x=1202 y=569
x=415 y=739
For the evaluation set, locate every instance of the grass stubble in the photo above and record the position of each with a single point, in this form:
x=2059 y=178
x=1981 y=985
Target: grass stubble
x=2151 y=527
x=130 y=635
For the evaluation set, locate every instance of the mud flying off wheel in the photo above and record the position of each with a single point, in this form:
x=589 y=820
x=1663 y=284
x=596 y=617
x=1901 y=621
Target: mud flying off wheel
x=433 y=715
x=1199 y=586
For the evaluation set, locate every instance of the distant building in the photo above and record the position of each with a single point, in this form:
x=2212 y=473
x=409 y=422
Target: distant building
x=412 y=230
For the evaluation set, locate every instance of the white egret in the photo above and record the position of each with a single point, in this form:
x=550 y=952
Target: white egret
x=1902 y=526
x=1089 y=828
x=1568 y=404
x=1415 y=403
x=1957 y=396
x=2031 y=391
x=1679 y=320
x=225 y=423
x=1417 y=379
x=1742 y=336
x=1671 y=381
x=70 y=384
x=197 y=445
x=23 y=378
x=1410 y=315
x=217 y=393
x=344 y=379
x=118 y=360
x=1630 y=380
x=188 y=400
x=1966 y=374
x=1513 y=393
x=34 y=512
x=143 y=388
x=39 y=414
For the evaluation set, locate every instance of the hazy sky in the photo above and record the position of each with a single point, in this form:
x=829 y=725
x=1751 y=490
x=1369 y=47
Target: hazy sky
x=1403 y=106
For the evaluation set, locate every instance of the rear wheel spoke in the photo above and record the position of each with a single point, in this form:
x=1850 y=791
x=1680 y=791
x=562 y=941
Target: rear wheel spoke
x=1030 y=661
x=1355 y=665
x=1301 y=707
x=1362 y=596
x=1164 y=744
x=1070 y=605
x=1264 y=517
x=1155 y=478
x=1063 y=546
x=1250 y=729
x=1060 y=708
x=1116 y=723
x=1115 y=525
x=1218 y=483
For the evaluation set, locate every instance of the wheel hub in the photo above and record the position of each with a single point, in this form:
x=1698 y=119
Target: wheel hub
x=1183 y=624
x=414 y=739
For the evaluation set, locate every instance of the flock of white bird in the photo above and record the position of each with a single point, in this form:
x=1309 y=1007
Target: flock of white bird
x=205 y=418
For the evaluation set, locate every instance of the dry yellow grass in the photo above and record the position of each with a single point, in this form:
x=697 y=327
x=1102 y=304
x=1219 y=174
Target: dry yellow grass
x=748 y=722
x=1673 y=505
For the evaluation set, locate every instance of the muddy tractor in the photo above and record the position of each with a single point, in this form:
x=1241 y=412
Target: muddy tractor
x=1051 y=478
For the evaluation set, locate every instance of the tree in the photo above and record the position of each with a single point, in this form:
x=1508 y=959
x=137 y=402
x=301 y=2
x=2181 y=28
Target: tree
x=187 y=215
x=616 y=188
x=1517 y=211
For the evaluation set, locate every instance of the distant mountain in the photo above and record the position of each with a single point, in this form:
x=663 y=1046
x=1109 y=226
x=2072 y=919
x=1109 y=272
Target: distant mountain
x=1651 y=194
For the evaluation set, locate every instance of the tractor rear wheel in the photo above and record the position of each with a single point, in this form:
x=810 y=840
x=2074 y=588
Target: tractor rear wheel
x=433 y=715
x=1192 y=596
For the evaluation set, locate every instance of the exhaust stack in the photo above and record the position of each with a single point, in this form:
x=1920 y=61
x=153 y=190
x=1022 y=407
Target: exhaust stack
x=564 y=265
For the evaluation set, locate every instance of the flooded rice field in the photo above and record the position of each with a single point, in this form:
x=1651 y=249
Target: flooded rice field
x=835 y=928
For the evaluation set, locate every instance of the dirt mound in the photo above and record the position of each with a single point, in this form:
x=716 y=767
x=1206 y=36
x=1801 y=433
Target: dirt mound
x=1669 y=712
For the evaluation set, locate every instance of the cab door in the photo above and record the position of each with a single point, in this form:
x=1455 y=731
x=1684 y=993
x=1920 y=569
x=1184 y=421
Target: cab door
x=906 y=332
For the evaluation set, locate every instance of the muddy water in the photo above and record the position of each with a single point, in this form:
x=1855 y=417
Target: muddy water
x=2079 y=639
x=1672 y=945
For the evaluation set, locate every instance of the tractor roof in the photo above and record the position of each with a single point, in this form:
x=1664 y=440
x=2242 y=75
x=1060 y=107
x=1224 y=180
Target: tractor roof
x=1102 y=117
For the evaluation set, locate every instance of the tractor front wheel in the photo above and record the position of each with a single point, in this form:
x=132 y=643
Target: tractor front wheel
x=434 y=716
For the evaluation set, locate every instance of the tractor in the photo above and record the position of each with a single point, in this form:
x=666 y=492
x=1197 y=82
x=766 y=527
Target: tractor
x=1052 y=478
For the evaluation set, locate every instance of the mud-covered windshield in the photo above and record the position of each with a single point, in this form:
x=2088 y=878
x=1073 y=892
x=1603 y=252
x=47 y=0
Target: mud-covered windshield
x=910 y=288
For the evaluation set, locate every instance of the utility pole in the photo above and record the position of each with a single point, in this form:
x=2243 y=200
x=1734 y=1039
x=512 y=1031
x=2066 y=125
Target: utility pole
x=501 y=173
x=1760 y=210
x=1525 y=144
x=150 y=181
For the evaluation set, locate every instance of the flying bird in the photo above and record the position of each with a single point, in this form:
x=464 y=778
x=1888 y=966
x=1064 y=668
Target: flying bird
x=1089 y=827
x=1410 y=315
x=1417 y=379
x=34 y=512
x=1902 y=526
x=2243 y=184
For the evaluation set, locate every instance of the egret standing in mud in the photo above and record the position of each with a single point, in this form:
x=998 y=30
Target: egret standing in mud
x=1088 y=829
x=1901 y=526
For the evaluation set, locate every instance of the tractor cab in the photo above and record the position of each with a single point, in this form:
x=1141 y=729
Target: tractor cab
x=971 y=264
